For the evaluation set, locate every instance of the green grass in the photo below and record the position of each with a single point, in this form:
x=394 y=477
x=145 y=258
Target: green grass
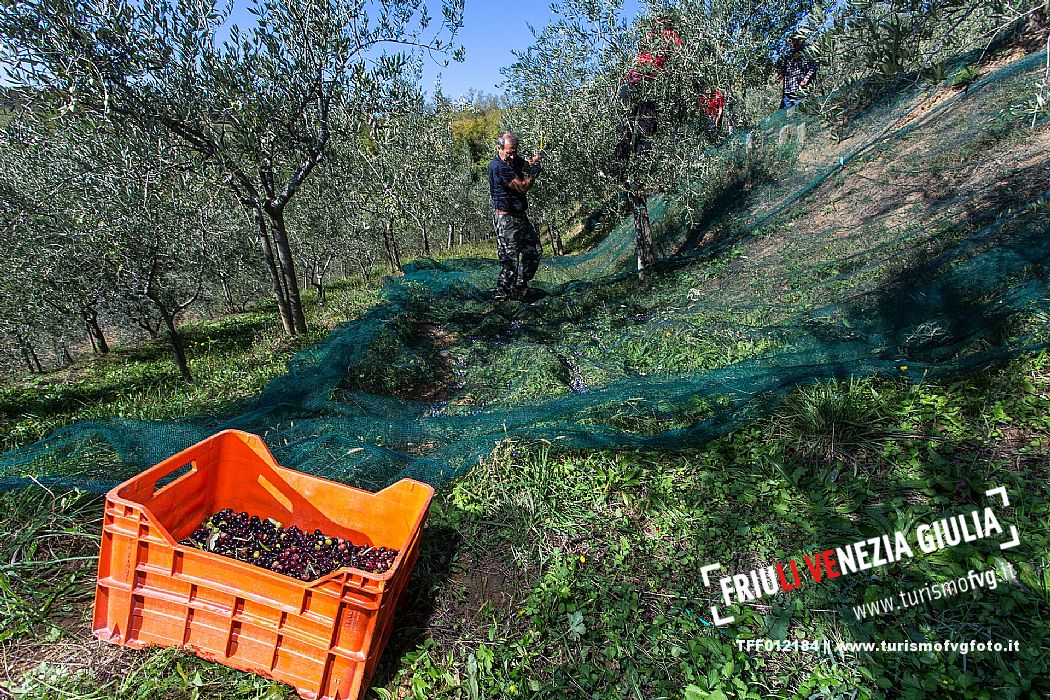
x=230 y=358
x=550 y=574
x=603 y=598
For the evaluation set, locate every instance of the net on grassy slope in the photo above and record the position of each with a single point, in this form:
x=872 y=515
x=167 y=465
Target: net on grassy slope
x=915 y=246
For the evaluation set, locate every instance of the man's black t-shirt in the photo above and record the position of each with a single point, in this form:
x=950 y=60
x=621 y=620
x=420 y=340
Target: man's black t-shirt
x=500 y=175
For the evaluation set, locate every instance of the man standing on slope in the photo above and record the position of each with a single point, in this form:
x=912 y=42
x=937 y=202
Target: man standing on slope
x=517 y=241
x=796 y=71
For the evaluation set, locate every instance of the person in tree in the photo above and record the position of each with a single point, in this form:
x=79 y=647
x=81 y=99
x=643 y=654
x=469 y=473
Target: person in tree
x=517 y=241
x=795 y=71
x=637 y=94
x=713 y=105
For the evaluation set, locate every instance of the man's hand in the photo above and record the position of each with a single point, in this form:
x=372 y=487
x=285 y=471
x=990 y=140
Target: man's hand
x=534 y=166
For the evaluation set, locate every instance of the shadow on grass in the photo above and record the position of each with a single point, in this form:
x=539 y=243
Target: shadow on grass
x=231 y=334
x=438 y=551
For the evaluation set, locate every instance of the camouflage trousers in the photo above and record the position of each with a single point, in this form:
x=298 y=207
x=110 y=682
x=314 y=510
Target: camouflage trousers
x=519 y=250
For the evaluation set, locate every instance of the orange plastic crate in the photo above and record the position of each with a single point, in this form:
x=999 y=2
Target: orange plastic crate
x=323 y=637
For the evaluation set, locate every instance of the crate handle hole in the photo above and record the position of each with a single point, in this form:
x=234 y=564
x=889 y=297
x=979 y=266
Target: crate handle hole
x=170 y=478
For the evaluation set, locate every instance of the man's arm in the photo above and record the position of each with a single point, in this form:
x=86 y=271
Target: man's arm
x=521 y=185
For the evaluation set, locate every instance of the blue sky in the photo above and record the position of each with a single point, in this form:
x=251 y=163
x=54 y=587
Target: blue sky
x=492 y=29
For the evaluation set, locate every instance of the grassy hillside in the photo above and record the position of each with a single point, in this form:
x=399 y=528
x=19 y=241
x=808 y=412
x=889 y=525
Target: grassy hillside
x=555 y=573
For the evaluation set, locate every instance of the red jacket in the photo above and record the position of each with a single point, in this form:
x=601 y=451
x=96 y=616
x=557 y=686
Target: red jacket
x=713 y=103
x=647 y=64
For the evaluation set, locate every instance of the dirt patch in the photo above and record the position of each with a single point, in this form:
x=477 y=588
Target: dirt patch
x=960 y=169
x=938 y=98
x=895 y=191
x=75 y=653
x=1015 y=450
x=491 y=580
x=1007 y=57
x=443 y=387
x=483 y=589
x=927 y=105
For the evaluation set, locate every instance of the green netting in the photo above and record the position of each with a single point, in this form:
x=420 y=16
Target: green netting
x=885 y=253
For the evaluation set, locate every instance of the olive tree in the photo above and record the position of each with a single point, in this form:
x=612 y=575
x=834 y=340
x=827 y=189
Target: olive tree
x=161 y=224
x=427 y=179
x=570 y=90
x=872 y=41
x=54 y=288
x=104 y=230
x=255 y=109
